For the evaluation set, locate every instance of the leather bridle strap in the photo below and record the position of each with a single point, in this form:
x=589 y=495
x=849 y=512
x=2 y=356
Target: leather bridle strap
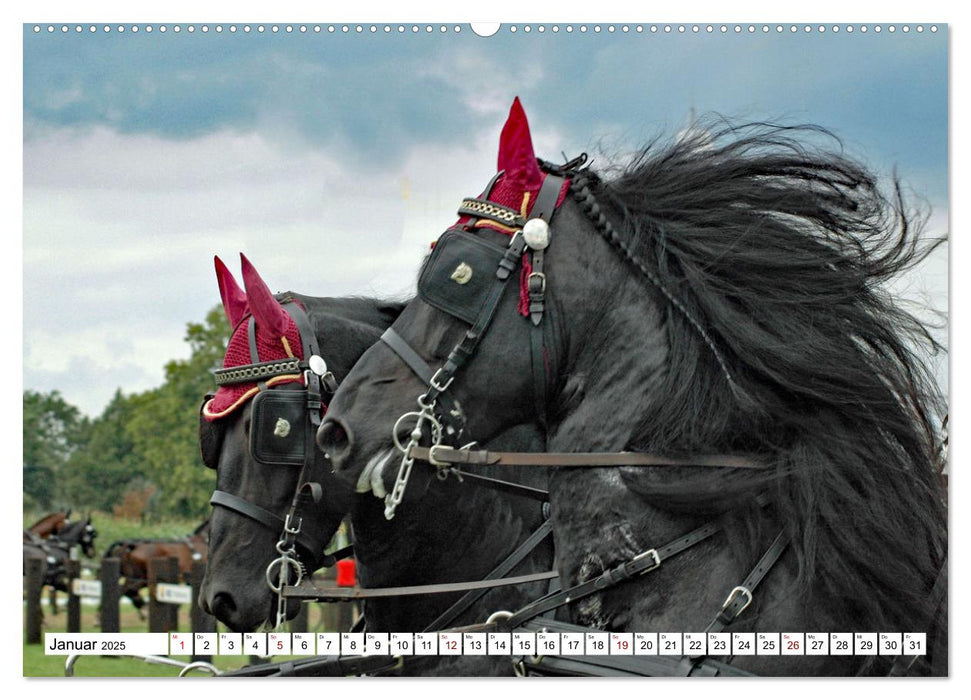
x=741 y=596
x=444 y=455
x=510 y=487
x=452 y=411
x=307 y=494
x=543 y=209
x=739 y=599
x=466 y=347
x=255 y=512
x=643 y=563
x=342 y=553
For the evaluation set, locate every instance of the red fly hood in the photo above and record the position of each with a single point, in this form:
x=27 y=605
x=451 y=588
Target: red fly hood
x=518 y=185
x=275 y=335
x=521 y=179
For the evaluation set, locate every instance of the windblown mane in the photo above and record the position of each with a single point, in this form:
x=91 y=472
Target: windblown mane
x=785 y=343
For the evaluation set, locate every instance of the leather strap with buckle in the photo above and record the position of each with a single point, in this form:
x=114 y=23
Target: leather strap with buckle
x=444 y=455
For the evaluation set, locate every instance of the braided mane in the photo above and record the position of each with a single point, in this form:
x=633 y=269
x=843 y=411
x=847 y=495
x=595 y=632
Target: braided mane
x=772 y=255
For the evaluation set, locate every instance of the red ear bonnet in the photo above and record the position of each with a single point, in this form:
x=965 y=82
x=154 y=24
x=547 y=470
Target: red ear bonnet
x=276 y=335
x=522 y=178
x=234 y=298
x=519 y=184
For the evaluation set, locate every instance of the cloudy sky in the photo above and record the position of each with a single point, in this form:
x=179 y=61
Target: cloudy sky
x=332 y=159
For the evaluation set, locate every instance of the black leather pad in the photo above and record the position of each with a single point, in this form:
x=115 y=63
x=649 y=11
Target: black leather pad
x=210 y=437
x=278 y=427
x=459 y=274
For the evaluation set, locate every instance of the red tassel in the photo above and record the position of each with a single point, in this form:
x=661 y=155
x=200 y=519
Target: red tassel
x=346 y=573
x=524 y=285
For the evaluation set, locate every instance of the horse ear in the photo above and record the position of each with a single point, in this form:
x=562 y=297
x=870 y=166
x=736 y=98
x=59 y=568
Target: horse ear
x=234 y=298
x=516 y=154
x=268 y=311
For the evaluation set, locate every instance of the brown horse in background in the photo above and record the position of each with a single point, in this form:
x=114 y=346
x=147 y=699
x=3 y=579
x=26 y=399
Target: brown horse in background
x=135 y=555
x=49 y=525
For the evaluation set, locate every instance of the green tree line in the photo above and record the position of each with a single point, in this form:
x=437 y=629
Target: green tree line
x=142 y=448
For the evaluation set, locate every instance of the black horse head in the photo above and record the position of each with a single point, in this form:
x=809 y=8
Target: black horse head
x=720 y=294
x=254 y=434
x=454 y=286
x=81 y=533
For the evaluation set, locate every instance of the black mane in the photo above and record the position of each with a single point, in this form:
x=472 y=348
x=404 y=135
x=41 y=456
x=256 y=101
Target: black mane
x=783 y=342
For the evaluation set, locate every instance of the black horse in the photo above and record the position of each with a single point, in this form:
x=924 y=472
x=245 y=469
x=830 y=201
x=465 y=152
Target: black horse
x=720 y=294
x=459 y=532
x=55 y=550
x=81 y=533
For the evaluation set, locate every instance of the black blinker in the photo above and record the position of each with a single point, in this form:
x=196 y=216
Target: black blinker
x=278 y=427
x=210 y=437
x=459 y=274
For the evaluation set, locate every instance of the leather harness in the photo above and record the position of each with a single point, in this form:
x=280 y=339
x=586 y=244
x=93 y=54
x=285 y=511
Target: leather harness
x=450 y=460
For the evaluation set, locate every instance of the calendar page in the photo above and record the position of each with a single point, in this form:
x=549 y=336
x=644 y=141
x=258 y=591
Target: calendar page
x=450 y=349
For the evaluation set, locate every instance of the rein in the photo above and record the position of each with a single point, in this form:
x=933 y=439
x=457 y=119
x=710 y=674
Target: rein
x=443 y=456
x=474 y=589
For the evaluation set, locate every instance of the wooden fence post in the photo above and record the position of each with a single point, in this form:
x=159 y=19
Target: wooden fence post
x=199 y=620
x=72 y=570
x=162 y=617
x=110 y=594
x=34 y=584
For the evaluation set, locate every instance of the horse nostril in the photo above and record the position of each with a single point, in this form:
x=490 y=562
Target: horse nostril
x=222 y=605
x=334 y=439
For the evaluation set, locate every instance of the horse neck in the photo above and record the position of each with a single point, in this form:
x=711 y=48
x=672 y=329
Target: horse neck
x=620 y=353
x=71 y=534
x=346 y=326
x=614 y=350
x=615 y=356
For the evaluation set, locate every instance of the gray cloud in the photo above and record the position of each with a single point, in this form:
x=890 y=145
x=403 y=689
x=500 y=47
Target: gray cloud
x=334 y=161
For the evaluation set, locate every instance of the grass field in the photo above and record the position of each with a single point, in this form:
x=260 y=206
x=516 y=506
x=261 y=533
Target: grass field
x=111 y=529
